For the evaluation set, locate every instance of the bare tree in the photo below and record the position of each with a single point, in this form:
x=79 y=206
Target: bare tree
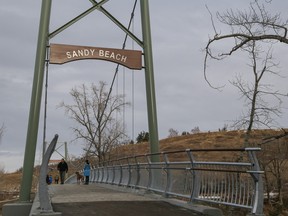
x=195 y=130
x=172 y=133
x=256 y=93
x=256 y=24
x=94 y=111
x=254 y=31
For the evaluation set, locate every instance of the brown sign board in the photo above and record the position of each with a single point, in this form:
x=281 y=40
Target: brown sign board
x=62 y=53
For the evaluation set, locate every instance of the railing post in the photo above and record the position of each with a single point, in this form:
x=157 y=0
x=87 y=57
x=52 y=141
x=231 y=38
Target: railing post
x=113 y=173
x=129 y=172
x=121 y=175
x=149 y=172
x=195 y=177
x=92 y=174
x=95 y=171
x=138 y=172
x=107 y=173
x=103 y=172
x=168 y=176
x=98 y=174
x=257 y=208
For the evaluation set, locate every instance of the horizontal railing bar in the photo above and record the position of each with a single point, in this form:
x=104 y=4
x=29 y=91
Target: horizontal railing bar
x=183 y=151
x=197 y=169
x=184 y=163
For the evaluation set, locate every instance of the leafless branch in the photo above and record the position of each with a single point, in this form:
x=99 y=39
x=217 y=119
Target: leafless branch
x=94 y=113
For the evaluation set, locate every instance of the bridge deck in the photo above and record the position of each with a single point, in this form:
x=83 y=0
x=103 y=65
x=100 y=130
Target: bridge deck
x=95 y=199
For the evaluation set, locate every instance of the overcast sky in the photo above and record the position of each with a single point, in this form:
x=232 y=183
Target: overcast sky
x=180 y=31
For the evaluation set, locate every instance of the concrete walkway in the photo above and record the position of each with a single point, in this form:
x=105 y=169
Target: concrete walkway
x=104 y=200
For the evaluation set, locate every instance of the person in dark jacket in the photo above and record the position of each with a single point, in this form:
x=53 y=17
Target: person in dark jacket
x=87 y=172
x=47 y=179
x=63 y=169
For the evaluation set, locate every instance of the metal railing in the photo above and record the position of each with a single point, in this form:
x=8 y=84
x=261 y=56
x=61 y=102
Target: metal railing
x=221 y=176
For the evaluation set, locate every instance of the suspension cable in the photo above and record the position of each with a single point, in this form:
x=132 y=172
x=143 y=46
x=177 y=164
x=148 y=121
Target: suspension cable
x=124 y=96
x=117 y=67
x=133 y=95
x=123 y=47
x=45 y=102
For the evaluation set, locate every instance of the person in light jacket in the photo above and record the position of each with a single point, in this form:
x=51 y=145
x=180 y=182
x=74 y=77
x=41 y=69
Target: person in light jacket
x=87 y=169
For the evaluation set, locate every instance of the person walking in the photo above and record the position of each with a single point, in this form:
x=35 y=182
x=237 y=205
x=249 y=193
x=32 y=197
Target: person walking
x=63 y=169
x=87 y=169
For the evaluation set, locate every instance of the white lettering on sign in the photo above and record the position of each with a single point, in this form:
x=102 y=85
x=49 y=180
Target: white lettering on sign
x=80 y=53
x=111 y=55
x=90 y=52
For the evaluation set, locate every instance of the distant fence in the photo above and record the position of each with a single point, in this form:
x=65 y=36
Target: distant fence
x=220 y=176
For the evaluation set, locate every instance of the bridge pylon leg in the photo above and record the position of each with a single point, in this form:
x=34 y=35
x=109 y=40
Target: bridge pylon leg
x=35 y=104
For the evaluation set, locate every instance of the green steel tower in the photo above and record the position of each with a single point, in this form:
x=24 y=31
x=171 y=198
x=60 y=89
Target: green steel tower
x=35 y=104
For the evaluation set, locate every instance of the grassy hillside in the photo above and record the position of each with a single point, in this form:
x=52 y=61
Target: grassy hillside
x=223 y=139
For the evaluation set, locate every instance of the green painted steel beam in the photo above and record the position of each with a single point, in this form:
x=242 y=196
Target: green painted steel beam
x=71 y=22
x=149 y=78
x=120 y=25
x=35 y=104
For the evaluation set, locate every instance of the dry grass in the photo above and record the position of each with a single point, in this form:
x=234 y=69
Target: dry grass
x=229 y=139
x=10 y=181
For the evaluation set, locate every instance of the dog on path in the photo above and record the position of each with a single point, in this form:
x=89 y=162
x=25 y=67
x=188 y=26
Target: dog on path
x=80 y=178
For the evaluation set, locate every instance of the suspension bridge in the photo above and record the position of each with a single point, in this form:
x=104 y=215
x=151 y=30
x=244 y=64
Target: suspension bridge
x=156 y=184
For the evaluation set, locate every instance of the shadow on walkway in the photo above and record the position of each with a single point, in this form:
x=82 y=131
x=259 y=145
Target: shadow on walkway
x=122 y=208
x=104 y=200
